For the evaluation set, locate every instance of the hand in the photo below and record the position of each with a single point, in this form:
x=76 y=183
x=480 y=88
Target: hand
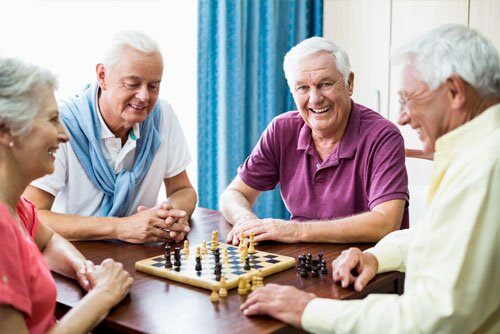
x=285 y=303
x=110 y=281
x=176 y=218
x=265 y=229
x=83 y=268
x=366 y=265
x=404 y=118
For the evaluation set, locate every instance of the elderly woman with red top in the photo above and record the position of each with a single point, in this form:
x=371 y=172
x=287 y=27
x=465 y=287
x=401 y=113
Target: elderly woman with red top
x=30 y=133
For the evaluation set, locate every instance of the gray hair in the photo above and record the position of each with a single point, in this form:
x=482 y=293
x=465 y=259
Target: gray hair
x=314 y=45
x=128 y=39
x=22 y=89
x=453 y=49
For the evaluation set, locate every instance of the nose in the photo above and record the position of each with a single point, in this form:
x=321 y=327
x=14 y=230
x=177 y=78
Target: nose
x=315 y=96
x=62 y=134
x=404 y=116
x=142 y=93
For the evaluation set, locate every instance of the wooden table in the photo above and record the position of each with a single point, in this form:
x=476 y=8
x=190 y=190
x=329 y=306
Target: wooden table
x=157 y=305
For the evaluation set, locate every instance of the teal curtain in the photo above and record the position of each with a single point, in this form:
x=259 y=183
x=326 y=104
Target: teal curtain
x=241 y=84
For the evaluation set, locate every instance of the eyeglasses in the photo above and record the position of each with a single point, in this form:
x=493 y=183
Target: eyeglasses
x=420 y=96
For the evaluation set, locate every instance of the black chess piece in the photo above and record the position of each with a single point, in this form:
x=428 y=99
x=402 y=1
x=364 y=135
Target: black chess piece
x=168 y=260
x=218 y=268
x=314 y=272
x=303 y=273
x=323 y=270
x=247 y=264
x=197 y=267
x=320 y=257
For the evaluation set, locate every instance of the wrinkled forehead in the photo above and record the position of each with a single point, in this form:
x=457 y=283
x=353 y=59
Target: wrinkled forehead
x=313 y=65
x=134 y=63
x=409 y=81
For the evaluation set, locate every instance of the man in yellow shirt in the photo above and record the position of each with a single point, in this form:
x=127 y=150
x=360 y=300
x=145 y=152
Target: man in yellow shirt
x=450 y=94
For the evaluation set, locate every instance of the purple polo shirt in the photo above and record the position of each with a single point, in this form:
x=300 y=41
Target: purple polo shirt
x=367 y=167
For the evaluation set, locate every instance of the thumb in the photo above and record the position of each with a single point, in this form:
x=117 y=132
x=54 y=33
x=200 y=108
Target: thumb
x=141 y=208
x=363 y=278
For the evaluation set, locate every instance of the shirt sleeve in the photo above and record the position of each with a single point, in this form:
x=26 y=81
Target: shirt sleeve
x=387 y=178
x=177 y=147
x=454 y=275
x=53 y=183
x=260 y=170
x=14 y=289
x=391 y=252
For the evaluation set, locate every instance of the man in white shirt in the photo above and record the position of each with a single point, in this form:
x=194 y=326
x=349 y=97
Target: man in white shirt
x=450 y=93
x=124 y=144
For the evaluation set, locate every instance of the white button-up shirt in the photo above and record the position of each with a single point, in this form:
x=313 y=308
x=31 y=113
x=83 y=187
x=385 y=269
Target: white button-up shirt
x=451 y=258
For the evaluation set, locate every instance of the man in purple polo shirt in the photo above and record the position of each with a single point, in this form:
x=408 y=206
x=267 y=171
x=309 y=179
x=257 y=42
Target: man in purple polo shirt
x=340 y=165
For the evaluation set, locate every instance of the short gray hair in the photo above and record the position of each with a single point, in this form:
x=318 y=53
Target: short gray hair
x=314 y=45
x=453 y=49
x=22 y=89
x=128 y=39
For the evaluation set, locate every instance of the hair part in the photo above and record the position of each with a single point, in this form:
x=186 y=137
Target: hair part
x=453 y=49
x=23 y=87
x=128 y=39
x=316 y=45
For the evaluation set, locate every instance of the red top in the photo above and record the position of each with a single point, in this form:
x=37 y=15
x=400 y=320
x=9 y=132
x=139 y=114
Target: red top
x=25 y=280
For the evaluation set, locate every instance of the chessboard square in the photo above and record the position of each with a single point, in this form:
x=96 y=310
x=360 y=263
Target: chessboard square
x=270 y=256
x=158 y=265
x=272 y=261
x=237 y=272
x=235 y=262
x=159 y=259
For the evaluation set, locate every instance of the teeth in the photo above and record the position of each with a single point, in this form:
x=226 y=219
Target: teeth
x=137 y=107
x=320 y=111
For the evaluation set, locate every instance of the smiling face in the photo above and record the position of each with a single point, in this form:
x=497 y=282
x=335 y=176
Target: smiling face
x=130 y=89
x=426 y=111
x=34 y=151
x=322 y=97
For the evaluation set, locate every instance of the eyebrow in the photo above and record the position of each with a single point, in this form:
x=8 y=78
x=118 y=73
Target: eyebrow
x=136 y=78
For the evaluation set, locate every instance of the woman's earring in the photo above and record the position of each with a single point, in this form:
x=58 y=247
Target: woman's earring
x=11 y=144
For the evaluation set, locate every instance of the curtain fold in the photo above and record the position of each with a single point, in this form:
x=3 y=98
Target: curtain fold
x=241 y=84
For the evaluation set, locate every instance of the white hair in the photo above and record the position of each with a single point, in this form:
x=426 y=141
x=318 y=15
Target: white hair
x=22 y=89
x=128 y=39
x=315 y=45
x=453 y=49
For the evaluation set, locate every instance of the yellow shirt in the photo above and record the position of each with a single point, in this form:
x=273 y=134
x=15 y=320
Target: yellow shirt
x=451 y=258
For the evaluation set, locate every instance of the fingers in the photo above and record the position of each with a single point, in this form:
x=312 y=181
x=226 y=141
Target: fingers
x=176 y=214
x=229 y=237
x=404 y=118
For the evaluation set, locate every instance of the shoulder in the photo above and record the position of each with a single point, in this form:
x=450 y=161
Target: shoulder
x=374 y=126
x=291 y=120
x=169 y=118
x=28 y=215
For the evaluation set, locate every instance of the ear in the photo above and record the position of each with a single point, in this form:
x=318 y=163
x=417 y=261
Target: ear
x=350 y=83
x=100 y=72
x=456 y=87
x=5 y=137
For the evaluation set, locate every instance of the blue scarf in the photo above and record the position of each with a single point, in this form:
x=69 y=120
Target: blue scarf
x=79 y=114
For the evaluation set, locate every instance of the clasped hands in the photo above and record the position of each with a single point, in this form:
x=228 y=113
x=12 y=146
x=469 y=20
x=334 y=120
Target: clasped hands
x=159 y=223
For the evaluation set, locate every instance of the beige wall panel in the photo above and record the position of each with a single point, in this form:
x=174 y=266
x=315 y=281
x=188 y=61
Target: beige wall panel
x=362 y=28
x=410 y=18
x=485 y=17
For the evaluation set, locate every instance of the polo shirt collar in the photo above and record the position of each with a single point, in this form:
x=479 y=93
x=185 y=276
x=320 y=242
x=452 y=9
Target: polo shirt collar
x=348 y=143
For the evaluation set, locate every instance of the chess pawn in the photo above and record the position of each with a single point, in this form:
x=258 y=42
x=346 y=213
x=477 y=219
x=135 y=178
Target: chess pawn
x=223 y=289
x=242 y=240
x=244 y=252
x=213 y=244
x=251 y=246
x=214 y=296
x=198 y=252
x=242 y=286
x=204 y=247
x=248 y=286
x=255 y=282
x=186 y=247
x=226 y=256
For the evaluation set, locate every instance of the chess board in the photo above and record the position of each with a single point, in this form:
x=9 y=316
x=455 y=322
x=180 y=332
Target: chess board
x=232 y=269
